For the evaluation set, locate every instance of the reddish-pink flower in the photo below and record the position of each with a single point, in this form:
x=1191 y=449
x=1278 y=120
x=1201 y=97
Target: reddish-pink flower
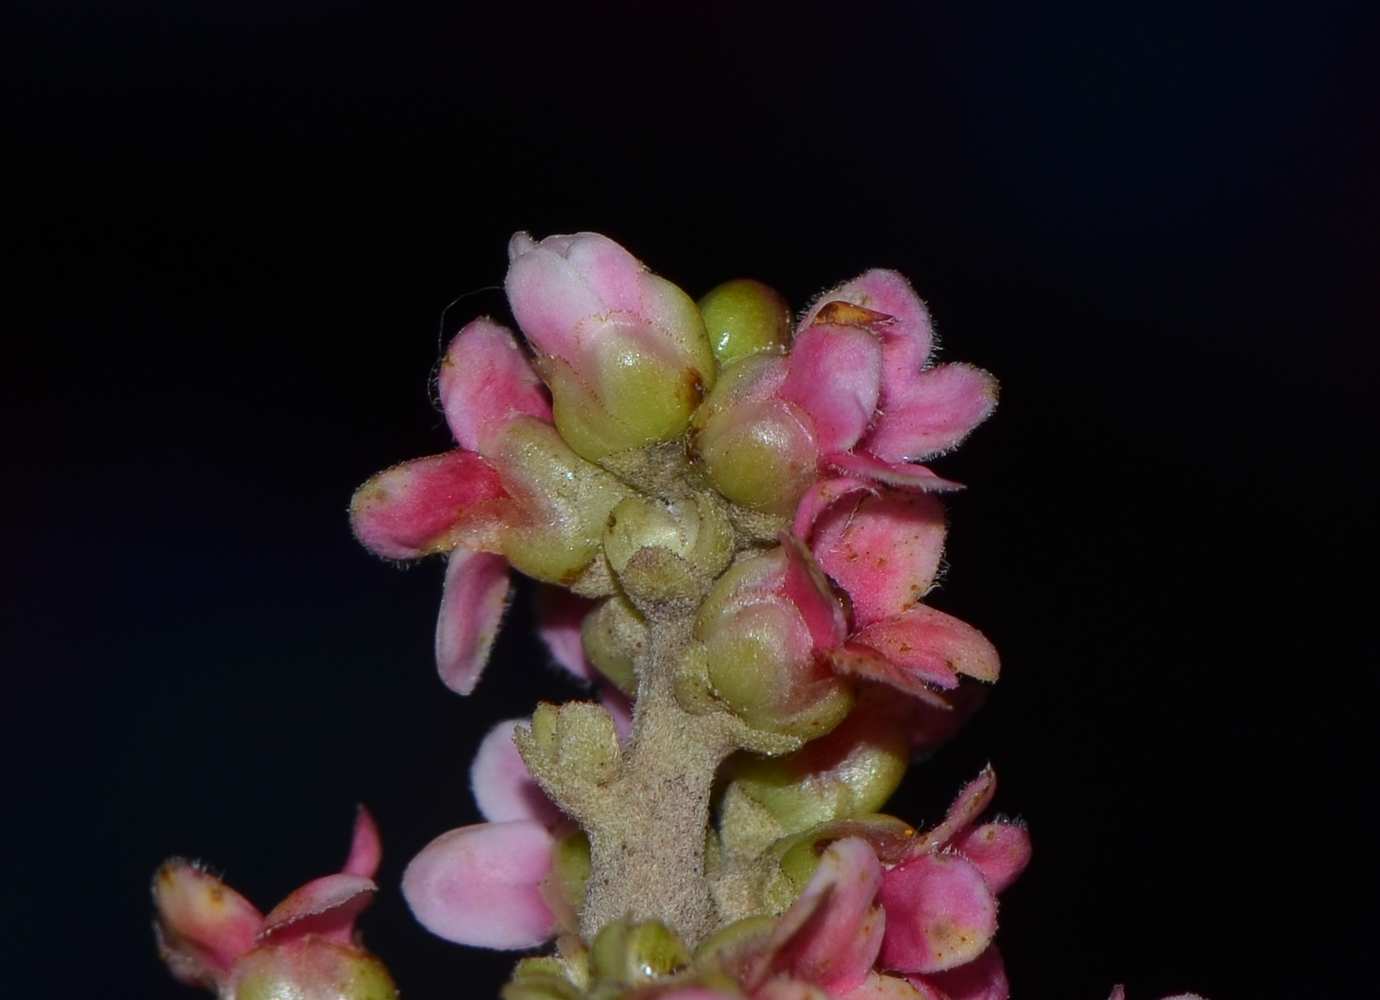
x=882 y=547
x=625 y=352
x=493 y=501
x=483 y=885
x=853 y=396
x=307 y=945
x=881 y=921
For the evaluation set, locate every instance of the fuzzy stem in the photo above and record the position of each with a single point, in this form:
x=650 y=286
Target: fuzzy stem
x=648 y=854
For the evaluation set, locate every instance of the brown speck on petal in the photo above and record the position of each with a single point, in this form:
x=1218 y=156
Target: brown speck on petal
x=847 y=314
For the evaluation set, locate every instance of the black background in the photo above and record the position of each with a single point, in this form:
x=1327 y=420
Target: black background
x=231 y=232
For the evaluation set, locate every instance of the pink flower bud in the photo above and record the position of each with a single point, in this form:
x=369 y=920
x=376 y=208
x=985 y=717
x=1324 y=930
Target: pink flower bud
x=836 y=377
x=427 y=505
x=203 y=925
x=503 y=788
x=481 y=885
x=473 y=601
x=882 y=549
x=625 y=352
x=829 y=937
x=832 y=933
x=306 y=947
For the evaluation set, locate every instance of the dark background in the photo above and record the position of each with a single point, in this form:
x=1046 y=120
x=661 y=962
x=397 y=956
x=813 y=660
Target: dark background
x=231 y=232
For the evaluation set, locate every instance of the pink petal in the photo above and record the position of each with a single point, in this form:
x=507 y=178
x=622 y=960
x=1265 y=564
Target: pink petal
x=857 y=660
x=940 y=913
x=932 y=645
x=835 y=376
x=326 y=907
x=559 y=617
x=486 y=377
x=204 y=925
x=909 y=334
x=967 y=806
x=502 y=785
x=883 y=550
x=1001 y=850
x=366 y=847
x=984 y=978
x=480 y=885
x=809 y=591
x=555 y=284
x=406 y=512
x=930 y=412
x=831 y=933
x=900 y=474
x=820 y=497
x=472 y=605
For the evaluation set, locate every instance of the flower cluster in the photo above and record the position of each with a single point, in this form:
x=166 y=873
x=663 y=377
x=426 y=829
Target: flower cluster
x=735 y=508
x=647 y=444
x=733 y=530
x=306 y=947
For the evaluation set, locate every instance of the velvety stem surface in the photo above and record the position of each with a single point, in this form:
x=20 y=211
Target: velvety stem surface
x=648 y=850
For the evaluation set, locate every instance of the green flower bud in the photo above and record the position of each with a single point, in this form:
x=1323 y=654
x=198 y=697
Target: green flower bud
x=571 y=863
x=851 y=770
x=633 y=954
x=615 y=637
x=564 y=501
x=758 y=450
x=745 y=317
x=666 y=551
x=575 y=738
x=540 y=979
x=313 y=969
x=760 y=656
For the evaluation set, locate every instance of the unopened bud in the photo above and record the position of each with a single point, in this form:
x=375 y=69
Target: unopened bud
x=666 y=551
x=564 y=501
x=615 y=638
x=316 y=969
x=570 y=868
x=760 y=656
x=847 y=772
x=625 y=352
x=758 y=450
x=634 y=954
x=745 y=317
x=542 y=978
x=577 y=737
